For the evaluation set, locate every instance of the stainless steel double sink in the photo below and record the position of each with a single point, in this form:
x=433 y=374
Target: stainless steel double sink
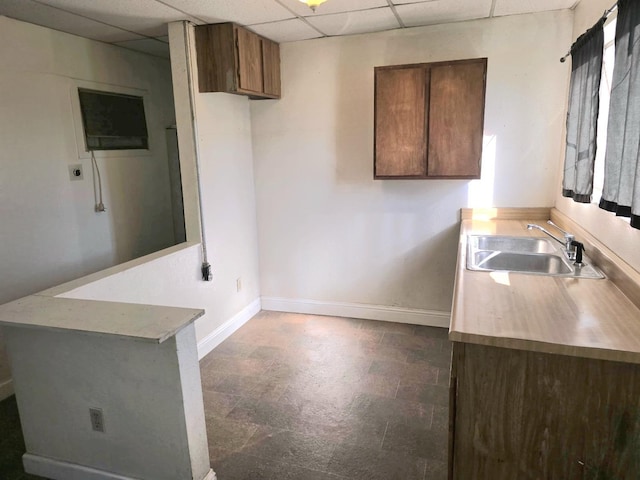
x=529 y=255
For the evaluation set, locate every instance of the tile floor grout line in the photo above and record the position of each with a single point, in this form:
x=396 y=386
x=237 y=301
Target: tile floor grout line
x=384 y=434
x=395 y=395
x=433 y=411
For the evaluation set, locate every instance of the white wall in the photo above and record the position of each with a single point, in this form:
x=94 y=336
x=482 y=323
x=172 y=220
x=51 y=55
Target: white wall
x=328 y=231
x=50 y=233
x=173 y=279
x=614 y=232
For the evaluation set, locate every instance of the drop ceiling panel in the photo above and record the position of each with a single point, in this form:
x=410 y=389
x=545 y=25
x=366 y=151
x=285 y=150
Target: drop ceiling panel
x=443 y=11
x=333 y=6
x=152 y=46
x=350 y=23
x=244 y=12
x=147 y=17
x=286 y=31
x=515 y=7
x=32 y=12
x=125 y=20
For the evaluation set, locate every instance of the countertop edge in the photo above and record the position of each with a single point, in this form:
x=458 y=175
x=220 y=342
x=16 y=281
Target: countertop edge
x=39 y=317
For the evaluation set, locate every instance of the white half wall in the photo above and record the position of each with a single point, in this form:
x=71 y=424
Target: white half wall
x=149 y=393
x=49 y=231
x=614 y=232
x=172 y=278
x=328 y=232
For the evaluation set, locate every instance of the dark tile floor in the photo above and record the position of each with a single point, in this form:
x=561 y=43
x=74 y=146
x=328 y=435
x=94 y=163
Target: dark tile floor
x=11 y=443
x=302 y=397
x=305 y=397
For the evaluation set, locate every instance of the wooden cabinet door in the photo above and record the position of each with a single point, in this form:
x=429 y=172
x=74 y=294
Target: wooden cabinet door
x=400 y=122
x=271 y=67
x=249 y=53
x=215 y=48
x=456 y=116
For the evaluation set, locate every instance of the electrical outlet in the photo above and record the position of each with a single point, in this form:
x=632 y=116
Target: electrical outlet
x=75 y=172
x=97 y=420
x=238 y=284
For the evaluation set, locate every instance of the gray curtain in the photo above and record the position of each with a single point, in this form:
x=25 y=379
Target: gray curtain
x=621 y=192
x=582 y=115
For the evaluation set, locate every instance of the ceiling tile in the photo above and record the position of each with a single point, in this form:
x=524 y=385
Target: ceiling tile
x=244 y=12
x=286 y=31
x=146 y=17
x=32 y=12
x=443 y=11
x=351 y=23
x=515 y=7
x=333 y=6
x=152 y=46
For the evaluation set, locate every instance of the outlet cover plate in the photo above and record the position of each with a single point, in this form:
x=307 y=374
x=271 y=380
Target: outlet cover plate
x=76 y=172
x=97 y=419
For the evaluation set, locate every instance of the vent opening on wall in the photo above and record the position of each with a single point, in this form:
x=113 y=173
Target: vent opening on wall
x=113 y=121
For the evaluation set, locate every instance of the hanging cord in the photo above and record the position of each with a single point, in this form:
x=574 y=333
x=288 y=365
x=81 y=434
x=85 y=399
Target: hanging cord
x=606 y=13
x=207 y=275
x=99 y=203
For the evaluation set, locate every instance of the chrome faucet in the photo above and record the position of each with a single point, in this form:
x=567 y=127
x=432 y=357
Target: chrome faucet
x=572 y=249
x=569 y=238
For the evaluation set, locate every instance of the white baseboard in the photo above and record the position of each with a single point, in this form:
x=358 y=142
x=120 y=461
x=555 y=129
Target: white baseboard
x=221 y=333
x=6 y=389
x=428 y=318
x=210 y=476
x=58 y=470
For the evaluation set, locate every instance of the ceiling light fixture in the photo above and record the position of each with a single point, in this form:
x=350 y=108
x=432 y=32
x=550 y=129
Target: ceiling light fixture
x=313 y=4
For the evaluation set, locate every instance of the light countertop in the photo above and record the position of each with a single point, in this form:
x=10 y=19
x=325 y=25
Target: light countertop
x=577 y=317
x=151 y=323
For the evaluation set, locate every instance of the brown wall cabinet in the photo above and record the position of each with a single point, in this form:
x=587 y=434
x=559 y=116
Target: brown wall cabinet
x=233 y=59
x=429 y=119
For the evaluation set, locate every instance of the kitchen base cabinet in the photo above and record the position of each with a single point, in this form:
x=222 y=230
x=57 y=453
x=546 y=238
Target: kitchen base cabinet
x=518 y=414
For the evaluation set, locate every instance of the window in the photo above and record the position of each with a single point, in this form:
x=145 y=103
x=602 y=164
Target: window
x=603 y=115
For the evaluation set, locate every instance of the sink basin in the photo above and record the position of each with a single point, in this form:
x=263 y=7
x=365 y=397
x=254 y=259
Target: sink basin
x=529 y=255
x=511 y=244
x=540 y=263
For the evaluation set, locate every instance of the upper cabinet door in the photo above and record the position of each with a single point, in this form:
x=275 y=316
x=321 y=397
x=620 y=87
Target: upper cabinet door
x=271 y=67
x=400 y=122
x=456 y=113
x=215 y=47
x=249 y=53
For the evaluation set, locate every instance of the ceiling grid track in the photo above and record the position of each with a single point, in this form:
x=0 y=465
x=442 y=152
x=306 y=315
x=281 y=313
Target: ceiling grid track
x=493 y=8
x=181 y=11
x=300 y=18
x=395 y=13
